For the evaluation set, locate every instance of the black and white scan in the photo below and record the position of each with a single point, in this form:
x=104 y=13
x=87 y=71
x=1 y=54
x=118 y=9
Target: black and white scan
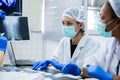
x=15 y=28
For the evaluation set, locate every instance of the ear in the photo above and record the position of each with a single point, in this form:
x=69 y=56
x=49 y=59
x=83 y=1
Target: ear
x=81 y=25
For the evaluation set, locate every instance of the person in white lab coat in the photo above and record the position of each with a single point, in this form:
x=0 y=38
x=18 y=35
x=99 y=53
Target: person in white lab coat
x=105 y=65
x=76 y=45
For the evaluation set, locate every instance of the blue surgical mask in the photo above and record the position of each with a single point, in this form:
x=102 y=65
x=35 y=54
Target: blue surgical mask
x=101 y=28
x=69 y=31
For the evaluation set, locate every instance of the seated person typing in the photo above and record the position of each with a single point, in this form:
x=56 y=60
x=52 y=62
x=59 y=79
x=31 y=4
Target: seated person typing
x=74 y=47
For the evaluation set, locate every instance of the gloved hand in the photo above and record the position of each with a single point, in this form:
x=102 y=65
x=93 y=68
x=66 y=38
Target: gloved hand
x=71 y=68
x=2 y=14
x=40 y=65
x=98 y=72
x=56 y=64
x=3 y=43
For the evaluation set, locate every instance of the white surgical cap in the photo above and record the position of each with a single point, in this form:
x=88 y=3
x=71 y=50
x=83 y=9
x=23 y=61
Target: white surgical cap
x=115 y=4
x=75 y=13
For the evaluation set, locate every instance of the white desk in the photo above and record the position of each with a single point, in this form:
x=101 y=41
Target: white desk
x=26 y=73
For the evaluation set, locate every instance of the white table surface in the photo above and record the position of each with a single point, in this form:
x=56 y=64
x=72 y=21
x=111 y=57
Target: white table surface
x=28 y=74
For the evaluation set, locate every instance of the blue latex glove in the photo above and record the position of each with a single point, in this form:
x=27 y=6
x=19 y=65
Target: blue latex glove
x=40 y=65
x=98 y=72
x=2 y=14
x=56 y=64
x=3 y=43
x=71 y=68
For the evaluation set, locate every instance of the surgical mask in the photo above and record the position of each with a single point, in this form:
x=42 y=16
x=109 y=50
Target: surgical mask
x=101 y=28
x=69 y=31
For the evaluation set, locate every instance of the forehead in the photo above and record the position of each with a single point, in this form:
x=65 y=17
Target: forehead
x=106 y=11
x=66 y=19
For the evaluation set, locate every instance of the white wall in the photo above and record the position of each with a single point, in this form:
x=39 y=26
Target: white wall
x=32 y=9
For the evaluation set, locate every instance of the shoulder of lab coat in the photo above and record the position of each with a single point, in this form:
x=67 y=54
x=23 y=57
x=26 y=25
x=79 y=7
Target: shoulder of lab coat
x=87 y=46
x=59 y=52
x=99 y=57
x=91 y=47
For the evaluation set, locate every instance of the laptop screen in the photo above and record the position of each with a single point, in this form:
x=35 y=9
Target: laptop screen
x=15 y=28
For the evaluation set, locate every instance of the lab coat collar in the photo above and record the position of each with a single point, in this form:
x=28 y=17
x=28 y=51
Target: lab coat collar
x=80 y=45
x=83 y=41
x=111 y=49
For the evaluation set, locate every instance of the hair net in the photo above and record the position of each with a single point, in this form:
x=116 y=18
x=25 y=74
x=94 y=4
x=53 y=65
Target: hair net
x=75 y=13
x=115 y=4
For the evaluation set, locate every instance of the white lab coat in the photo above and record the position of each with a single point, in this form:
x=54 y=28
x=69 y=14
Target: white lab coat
x=107 y=56
x=85 y=48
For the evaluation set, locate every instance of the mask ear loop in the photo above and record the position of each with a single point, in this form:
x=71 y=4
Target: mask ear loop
x=115 y=27
x=111 y=21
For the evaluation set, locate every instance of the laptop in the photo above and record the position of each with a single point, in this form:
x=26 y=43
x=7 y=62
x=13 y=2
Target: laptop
x=15 y=28
x=15 y=61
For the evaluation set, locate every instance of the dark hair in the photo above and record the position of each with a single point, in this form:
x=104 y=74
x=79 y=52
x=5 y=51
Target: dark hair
x=112 y=11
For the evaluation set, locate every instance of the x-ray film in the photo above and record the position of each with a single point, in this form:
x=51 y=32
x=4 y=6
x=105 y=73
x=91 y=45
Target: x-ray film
x=15 y=28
